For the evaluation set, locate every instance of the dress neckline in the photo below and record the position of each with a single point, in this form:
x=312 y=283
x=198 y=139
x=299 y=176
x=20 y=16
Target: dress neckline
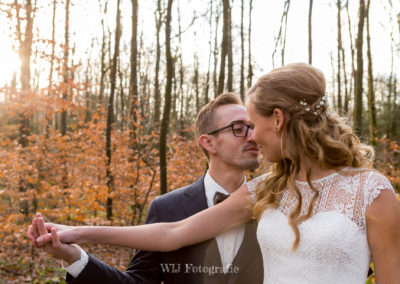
x=322 y=178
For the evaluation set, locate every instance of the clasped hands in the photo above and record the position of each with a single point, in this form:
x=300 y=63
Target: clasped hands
x=55 y=239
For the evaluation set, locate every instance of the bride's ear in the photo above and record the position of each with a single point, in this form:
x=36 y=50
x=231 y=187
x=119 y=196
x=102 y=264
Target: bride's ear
x=279 y=119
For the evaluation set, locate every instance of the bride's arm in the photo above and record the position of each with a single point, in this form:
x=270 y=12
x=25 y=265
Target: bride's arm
x=202 y=226
x=383 y=229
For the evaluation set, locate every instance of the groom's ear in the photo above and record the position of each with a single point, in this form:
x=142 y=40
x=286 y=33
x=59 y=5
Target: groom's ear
x=207 y=143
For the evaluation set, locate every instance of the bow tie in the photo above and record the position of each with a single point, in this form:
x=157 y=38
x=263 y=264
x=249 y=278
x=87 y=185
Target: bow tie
x=219 y=197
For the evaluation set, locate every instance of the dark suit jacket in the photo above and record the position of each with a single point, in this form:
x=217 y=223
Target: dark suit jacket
x=189 y=265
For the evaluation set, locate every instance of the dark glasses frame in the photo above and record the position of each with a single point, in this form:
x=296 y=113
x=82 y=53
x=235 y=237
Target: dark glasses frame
x=231 y=125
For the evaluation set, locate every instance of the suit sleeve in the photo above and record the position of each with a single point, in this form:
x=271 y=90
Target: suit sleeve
x=144 y=267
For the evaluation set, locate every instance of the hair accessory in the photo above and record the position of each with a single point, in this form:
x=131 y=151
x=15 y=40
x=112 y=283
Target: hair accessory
x=316 y=107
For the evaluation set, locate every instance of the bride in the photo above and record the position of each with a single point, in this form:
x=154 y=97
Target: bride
x=323 y=213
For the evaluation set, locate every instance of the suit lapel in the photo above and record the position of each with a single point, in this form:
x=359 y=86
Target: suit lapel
x=195 y=198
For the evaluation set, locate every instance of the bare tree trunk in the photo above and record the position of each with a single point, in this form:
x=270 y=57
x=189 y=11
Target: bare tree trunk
x=88 y=96
x=282 y=34
x=310 y=32
x=333 y=97
x=196 y=81
x=167 y=104
x=224 y=46
x=53 y=44
x=242 y=52
x=398 y=21
x=140 y=97
x=215 y=81
x=230 y=55
x=283 y=40
x=103 y=69
x=371 y=92
x=25 y=51
x=250 y=68
x=358 y=90
x=392 y=86
x=174 y=97
x=122 y=114
x=181 y=96
x=388 y=103
x=110 y=115
x=133 y=88
x=346 y=88
x=207 y=82
x=145 y=93
x=353 y=69
x=66 y=78
x=393 y=130
x=181 y=75
x=339 y=50
x=158 y=15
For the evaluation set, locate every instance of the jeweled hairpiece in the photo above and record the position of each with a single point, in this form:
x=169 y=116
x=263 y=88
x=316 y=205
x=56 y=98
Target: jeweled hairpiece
x=316 y=107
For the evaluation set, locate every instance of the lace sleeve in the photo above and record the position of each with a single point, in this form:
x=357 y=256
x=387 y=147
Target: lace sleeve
x=252 y=186
x=374 y=185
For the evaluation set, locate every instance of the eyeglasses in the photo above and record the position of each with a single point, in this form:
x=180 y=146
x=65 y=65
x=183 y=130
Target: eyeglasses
x=238 y=129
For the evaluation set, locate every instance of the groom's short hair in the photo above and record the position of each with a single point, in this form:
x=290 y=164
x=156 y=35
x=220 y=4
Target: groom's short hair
x=205 y=118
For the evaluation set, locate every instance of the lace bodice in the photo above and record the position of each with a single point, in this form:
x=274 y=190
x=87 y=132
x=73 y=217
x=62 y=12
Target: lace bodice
x=333 y=241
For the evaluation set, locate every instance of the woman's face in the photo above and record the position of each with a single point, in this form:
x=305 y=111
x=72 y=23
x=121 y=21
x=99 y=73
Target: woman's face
x=267 y=132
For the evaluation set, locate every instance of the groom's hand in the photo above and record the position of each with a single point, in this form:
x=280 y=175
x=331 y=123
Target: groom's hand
x=50 y=240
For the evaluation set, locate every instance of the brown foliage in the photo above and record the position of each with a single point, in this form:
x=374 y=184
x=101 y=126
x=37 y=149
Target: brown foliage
x=83 y=202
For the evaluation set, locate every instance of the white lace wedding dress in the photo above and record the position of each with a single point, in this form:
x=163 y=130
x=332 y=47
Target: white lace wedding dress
x=333 y=241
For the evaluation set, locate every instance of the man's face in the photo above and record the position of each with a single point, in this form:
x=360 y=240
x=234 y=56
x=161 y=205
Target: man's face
x=241 y=152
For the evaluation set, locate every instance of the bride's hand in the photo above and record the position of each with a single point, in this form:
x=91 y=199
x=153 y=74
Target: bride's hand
x=40 y=232
x=39 y=235
x=34 y=231
x=65 y=234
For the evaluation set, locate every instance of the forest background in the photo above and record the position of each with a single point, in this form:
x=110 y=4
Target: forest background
x=98 y=98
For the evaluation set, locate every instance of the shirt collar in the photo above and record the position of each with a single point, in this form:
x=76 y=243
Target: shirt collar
x=211 y=187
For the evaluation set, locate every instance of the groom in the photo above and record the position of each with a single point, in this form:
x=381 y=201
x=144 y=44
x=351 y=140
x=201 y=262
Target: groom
x=225 y=137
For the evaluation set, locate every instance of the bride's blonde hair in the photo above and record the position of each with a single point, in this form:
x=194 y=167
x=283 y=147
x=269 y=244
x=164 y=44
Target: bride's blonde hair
x=310 y=130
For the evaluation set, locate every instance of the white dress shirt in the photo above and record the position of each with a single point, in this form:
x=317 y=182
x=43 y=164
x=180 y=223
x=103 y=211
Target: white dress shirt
x=76 y=268
x=228 y=242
